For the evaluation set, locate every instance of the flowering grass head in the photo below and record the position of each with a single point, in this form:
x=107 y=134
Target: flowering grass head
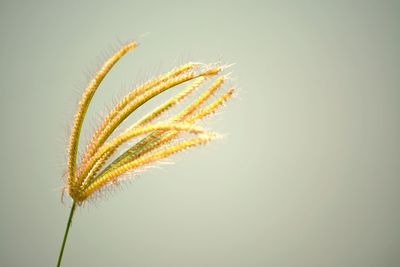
x=159 y=138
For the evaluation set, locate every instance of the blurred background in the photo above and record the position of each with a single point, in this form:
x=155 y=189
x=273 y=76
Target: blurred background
x=308 y=171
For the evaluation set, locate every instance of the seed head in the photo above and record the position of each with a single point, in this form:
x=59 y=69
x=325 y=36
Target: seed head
x=160 y=139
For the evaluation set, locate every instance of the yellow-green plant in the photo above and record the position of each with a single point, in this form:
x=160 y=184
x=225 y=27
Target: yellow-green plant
x=162 y=138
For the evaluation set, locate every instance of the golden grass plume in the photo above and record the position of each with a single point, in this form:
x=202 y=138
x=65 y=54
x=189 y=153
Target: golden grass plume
x=161 y=139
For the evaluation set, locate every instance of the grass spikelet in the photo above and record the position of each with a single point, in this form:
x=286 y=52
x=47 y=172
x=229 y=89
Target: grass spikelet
x=159 y=137
x=84 y=104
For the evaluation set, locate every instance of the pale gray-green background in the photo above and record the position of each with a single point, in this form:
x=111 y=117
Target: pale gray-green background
x=308 y=174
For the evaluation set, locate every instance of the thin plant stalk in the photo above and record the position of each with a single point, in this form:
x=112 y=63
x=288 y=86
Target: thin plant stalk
x=71 y=214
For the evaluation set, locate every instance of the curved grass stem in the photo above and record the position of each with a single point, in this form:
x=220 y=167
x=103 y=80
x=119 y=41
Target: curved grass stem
x=66 y=233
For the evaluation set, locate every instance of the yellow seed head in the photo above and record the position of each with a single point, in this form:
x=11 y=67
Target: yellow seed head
x=92 y=173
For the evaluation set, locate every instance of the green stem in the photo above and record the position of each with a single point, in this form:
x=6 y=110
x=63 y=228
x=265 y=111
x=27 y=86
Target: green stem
x=66 y=234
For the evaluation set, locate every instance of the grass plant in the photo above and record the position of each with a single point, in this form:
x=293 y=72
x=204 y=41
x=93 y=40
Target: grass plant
x=102 y=164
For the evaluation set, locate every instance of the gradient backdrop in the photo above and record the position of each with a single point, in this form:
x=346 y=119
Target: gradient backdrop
x=308 y=174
